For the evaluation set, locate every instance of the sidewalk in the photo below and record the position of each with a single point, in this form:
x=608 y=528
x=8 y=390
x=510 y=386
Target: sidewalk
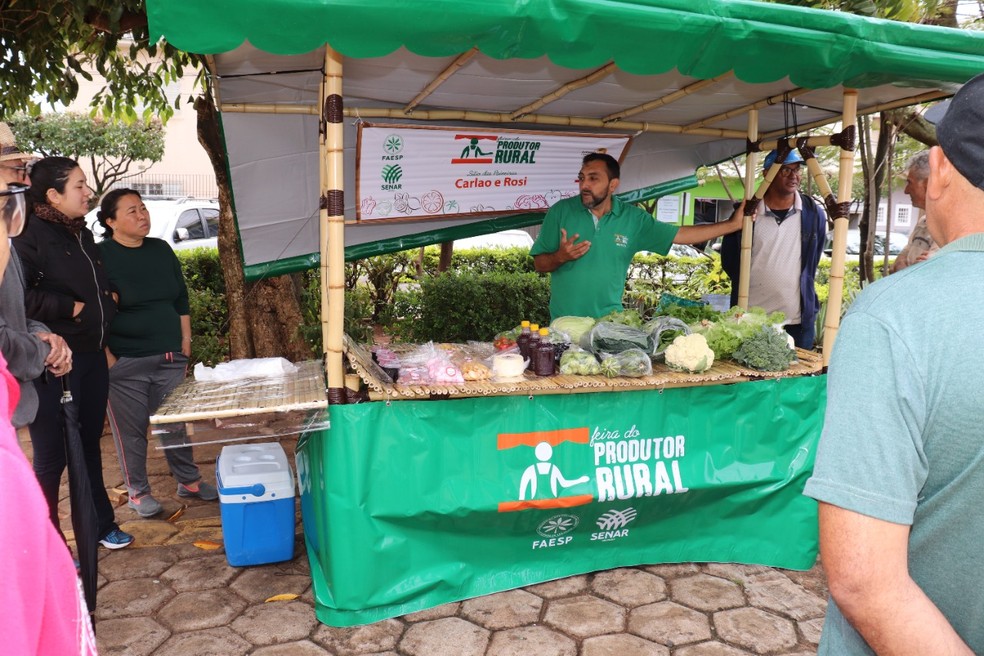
x=172 y=593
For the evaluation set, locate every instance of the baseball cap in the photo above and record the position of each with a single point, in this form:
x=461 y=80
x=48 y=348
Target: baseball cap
x=959 y=130
x=792 y=158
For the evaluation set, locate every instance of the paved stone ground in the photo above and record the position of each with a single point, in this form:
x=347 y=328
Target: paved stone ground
x=168 y=596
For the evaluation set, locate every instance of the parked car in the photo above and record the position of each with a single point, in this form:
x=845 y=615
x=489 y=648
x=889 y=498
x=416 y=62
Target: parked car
x=184 y=223
x=503 y=239
x=897 y=241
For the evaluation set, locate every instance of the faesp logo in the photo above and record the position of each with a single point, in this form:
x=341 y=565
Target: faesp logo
x=554 y=531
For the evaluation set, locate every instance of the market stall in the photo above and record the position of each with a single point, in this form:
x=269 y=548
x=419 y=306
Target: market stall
x=432 y=493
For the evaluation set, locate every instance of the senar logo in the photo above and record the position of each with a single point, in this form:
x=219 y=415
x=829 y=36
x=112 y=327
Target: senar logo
x=613 y=523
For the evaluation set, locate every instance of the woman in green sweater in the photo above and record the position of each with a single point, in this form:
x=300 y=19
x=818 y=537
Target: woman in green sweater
x=148 y=347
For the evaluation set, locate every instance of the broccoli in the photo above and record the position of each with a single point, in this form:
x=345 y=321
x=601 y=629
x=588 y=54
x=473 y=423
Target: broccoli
x=766 y=350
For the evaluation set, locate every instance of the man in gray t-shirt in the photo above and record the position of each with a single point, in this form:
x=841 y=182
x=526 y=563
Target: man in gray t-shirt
x=900 y=467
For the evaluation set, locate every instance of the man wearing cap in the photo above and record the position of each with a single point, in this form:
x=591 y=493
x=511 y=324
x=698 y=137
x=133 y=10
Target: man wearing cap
x=27 y=345
x=899 y=471
x=787 y=241
x=921 y=244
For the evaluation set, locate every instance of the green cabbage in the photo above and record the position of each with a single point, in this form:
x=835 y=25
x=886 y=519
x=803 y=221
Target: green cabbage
x=575 y=327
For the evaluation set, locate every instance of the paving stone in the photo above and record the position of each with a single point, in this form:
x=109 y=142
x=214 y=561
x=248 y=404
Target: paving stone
x=130 y=636
x=711 y=649
x=436 y=613
x=196 y=533
x=560 y=588
x=275 y=622
x=201 y=609
x=450 y=636
x=811 y=629
x=585 y=616
x=354 y=641
x=781 y=595
x=814 y=579
x=669 y=624
x=131 y=598
x=149 y=532
x=629 y=587
x=736 y=572
x=707 y=593
x=531 y=640
x=504 y=610
x=222 y=641
x=302 y=648
x=204 y=573
x=755 y=629
x=672 y=570
x=260 y=583
x=622 y=644
x=137 y=563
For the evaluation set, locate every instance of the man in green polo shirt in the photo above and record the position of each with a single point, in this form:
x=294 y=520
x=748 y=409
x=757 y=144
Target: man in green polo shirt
x=588 y=242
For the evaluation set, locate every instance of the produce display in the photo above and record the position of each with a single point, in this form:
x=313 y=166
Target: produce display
x=689 y=353
x=618 y=344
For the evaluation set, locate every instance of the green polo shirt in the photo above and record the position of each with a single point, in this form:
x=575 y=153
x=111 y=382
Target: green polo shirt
x=592 y=285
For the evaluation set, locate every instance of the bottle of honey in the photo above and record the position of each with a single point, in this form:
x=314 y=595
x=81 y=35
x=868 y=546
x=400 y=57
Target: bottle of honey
x=543 y=358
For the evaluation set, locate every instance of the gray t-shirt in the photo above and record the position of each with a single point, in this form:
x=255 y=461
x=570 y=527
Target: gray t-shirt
x=903 y=436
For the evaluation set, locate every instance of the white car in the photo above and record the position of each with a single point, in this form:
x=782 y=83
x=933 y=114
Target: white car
x=184 y=223
x=503 y=239
x=896 y=242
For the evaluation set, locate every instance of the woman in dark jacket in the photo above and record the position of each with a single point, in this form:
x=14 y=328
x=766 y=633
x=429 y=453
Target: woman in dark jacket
x=68 y=290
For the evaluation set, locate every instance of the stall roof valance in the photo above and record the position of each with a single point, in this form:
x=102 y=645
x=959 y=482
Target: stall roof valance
x=761 y=42
x=678 y=76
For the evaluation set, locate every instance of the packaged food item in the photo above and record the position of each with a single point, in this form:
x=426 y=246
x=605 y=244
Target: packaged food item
x=578 y=362
x=508 y=366
x=632 y=363
x=473 y=371
x=543 y=358
x=607 y=337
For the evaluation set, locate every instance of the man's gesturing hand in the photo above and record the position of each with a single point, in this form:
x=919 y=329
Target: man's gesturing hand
x=568 y=249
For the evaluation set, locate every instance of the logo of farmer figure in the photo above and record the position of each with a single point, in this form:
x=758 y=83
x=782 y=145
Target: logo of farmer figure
x=543 y=484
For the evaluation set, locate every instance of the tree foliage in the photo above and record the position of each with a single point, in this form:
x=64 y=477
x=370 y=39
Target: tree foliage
x=49 y=44
x=110 y=146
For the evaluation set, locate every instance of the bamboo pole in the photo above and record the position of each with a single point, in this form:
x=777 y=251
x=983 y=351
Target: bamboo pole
x=332 y=222
x=873 y=109
x=562 y=91
x=459 y=61
x=751 y=161
x=765 y=102
x=667 y=99
x=485 y=117
x=831 y=322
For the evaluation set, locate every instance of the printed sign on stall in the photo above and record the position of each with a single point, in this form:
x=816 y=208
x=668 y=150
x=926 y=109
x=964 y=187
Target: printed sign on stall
x=415 y=172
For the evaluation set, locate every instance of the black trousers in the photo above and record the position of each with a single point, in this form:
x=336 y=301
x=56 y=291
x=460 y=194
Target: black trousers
x=89 y=382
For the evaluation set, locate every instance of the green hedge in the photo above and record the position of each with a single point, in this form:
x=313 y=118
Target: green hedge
x=485 y=292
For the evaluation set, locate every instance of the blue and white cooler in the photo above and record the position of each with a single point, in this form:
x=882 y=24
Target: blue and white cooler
x=256 y=497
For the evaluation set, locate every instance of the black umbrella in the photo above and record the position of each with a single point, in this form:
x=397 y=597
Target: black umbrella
x=84 y=520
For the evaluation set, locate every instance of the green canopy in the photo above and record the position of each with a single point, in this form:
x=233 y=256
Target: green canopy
x=678 y=76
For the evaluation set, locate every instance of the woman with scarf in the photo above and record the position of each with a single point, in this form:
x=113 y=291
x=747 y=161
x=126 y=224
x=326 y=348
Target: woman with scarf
x=68 y=290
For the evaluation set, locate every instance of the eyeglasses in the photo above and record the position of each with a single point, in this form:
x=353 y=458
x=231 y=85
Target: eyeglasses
x=13 y=210
x=21 y=171
x=789 y=172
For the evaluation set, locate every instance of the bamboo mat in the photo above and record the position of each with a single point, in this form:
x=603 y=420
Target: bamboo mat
x=808 y=363
x=194 y=400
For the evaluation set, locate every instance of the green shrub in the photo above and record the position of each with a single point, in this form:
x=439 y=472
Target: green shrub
x=209 y=310
x=457 y=307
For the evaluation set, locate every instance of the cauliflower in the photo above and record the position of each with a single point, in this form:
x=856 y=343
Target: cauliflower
x=689 y=353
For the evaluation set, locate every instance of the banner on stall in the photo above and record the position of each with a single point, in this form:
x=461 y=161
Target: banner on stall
x=416 y=172
x=412 y=504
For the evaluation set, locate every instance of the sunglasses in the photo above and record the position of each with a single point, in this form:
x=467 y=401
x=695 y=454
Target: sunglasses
x=13 y=208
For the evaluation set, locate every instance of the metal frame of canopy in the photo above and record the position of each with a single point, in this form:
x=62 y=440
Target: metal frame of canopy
x=686 y=108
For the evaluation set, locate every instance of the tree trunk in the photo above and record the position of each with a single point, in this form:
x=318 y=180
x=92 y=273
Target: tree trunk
x=912 y=123
x=264 y=316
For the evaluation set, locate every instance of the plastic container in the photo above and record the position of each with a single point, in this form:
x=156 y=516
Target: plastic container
x=534 y=342
x=543 y=357
x=523 y=340
x=256 y=502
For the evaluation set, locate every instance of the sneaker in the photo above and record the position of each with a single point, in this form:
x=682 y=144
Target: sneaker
x=116 y=539
x=201 y=490
x=146 y=505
